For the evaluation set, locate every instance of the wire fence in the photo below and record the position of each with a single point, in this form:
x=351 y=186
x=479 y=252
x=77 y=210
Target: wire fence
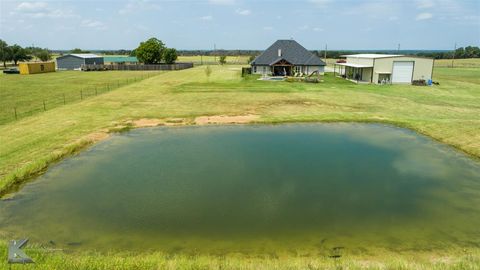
x=176 y=66
x=10 y=114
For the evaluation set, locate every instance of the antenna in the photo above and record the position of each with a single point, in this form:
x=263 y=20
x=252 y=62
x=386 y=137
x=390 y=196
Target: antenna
x=454 y=52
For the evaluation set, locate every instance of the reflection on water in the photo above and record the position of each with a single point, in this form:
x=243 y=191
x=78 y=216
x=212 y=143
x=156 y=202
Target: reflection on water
x=255 y=189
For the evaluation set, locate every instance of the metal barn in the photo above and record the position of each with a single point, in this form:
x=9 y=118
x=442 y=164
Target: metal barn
x=75 y=61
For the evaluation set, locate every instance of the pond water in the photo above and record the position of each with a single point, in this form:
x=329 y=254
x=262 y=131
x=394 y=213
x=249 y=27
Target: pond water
x=254 y=189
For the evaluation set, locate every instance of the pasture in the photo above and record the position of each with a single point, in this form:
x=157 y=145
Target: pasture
x=198 y=60
x=27 y=94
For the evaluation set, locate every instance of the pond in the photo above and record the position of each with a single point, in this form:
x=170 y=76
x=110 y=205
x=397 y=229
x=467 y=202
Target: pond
x=254 y=190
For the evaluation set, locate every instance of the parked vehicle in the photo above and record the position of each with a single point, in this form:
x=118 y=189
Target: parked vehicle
x=11 y=71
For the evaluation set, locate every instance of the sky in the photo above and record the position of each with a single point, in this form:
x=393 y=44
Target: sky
x=242 y=24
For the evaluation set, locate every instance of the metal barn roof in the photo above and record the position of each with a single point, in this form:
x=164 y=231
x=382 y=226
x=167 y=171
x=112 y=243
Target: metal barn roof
x=371 y=55
x=120 y=59
x=354 y=65
x=82 y=55
x=290 y=51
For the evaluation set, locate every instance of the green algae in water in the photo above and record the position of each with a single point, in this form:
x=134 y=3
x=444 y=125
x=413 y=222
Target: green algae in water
x=320 y=189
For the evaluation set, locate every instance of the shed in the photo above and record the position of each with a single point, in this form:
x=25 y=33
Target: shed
x=75 y=61
x=385 y=68
x=36 y=67
x=287 y=58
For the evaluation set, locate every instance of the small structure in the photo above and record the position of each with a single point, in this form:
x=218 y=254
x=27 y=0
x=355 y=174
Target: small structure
x=120 y=60
x=75 y=61
x=287 y=58
x=36 y=67
x=384 y=68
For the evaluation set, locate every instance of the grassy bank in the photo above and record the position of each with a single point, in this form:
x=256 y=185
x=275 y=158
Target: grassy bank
x=48 y=259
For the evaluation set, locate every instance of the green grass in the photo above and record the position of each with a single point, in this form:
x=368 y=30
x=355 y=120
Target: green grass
x=27 y=93
x=47 y=259
x=448 y=113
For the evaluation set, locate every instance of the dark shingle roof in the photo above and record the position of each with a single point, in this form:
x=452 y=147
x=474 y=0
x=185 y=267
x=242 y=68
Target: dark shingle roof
x=292 y=52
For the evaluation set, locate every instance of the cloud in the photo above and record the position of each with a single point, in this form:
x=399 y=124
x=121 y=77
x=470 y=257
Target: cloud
x=320 y=3
x=318 y=29
x=267 y=28
x=425 y=4
x=393 y=18
x=31 y=6
x=98 y=25
x=424 y=16
x=39 y=10
x=303 y=27
x=206 y=18
x=244 y=12
x=221 y=2
x=138 y=6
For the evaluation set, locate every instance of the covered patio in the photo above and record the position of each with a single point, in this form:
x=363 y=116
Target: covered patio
x=281 y=67
x=354 y=72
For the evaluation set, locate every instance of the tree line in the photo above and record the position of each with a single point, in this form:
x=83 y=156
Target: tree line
x=467 y=52
x=16 y=53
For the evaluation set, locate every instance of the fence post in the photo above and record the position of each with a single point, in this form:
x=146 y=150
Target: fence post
x=63 y=98
x=44 y=107
x=15 y=111
x=81 y=95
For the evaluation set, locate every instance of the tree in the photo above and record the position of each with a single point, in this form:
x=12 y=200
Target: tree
x=150 y=51
x=472 y=52
x=44 y=55
x=19 y=54
x=78 y=50
x=208 y=72
x=5 y=53
x=222 y=60
x=251 y=58
x=170 y=55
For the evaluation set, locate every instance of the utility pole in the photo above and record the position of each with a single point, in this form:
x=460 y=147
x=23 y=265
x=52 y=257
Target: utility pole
x=398 y=48
x=453 y=54
x=215 y=52
x=325 y=55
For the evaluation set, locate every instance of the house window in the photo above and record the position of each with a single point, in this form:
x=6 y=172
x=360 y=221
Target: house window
x=255 y=69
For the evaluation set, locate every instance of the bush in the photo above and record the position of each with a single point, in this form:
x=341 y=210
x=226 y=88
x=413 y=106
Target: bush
x=223 y=60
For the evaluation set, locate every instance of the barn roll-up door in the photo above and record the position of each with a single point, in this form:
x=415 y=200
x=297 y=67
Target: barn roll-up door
x=402 y=72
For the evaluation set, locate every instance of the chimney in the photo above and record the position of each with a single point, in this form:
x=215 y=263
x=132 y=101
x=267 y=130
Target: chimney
x=279 y=52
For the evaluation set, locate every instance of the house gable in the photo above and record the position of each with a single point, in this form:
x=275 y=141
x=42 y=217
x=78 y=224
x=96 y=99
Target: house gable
x=290 y=51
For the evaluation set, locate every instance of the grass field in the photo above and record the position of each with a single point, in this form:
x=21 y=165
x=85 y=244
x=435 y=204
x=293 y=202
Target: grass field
x=197 y=59
x=27 y=93
x=470 y=62
x=449 y=112
x=44 y=259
